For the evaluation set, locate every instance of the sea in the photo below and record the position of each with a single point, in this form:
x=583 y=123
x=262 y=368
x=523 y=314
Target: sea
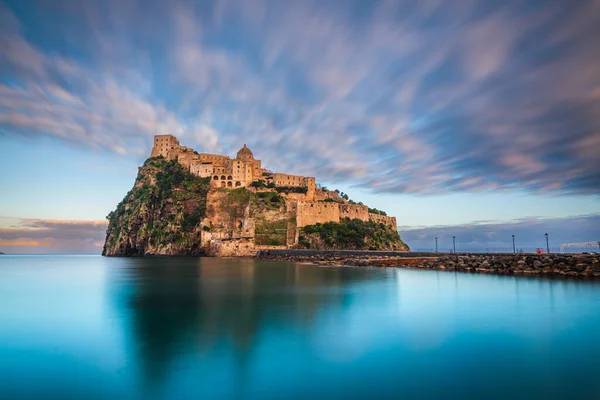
x=90 y=327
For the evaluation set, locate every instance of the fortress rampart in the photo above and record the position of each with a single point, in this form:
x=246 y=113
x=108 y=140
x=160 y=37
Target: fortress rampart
x=383 y=219
x=310 y=212
x=353 y=211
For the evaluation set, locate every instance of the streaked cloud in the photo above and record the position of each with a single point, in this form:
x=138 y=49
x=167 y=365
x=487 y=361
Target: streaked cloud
x=408 y=96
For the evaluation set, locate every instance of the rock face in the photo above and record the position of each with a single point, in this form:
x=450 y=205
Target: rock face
x=161 y=214
x=170 y=211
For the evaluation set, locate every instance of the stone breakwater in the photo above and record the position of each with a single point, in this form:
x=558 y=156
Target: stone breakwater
x=572 y=265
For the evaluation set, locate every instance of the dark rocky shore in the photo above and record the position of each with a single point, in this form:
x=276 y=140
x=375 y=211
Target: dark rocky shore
x=573 y=265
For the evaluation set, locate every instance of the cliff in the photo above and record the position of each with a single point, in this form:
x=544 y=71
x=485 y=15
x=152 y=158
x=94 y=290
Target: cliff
x=161 y=214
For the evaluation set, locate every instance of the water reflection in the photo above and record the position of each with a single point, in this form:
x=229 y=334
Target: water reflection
x=207 y=307
x=180 y=328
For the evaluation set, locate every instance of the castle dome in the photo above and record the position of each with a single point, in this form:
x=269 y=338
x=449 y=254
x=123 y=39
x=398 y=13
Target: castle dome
x=245 y=154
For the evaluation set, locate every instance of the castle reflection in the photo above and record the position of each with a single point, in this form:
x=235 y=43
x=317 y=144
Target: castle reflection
x=179 y=308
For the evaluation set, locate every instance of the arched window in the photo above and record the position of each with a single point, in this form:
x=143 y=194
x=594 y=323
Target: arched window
x=238 y=183
x=222 y=177
x=216 y=178
x=230 y=177
x=229 y=184
x=223 y=184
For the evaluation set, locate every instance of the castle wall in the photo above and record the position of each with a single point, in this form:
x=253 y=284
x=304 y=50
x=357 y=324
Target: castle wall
x=295 y=196
x=217 y=159
x=201 y=169
x=186 y=156
x=353 y=211
x=321 y=195
x=309 y=213
x=289 y=180
x=390 y=221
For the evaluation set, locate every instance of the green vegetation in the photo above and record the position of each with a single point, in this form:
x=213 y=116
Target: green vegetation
x=272 y=233
x=376 y=211
x=236 y=202
x=166 y=212
x=291 y=189
x=351 y=234
x=270 y=197
x=259 y=184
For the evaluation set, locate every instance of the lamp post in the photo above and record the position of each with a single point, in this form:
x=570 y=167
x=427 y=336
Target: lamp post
x=547 y=245
x=514 y=249
x=436 y=248
x=454 y=242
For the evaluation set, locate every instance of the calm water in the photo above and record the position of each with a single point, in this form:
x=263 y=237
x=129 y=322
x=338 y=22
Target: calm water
x=104 y=328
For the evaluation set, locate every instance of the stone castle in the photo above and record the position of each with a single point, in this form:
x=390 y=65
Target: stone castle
x=306 y=207
x=224 y=171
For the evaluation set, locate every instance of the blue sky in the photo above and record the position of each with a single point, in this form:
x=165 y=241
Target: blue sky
x=460 y=114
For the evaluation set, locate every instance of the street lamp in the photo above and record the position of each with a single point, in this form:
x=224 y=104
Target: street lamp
x=454 y=242
x=514 y=250
x=547 y=245
x=436 y=248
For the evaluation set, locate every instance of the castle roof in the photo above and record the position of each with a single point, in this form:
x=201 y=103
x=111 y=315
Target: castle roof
x=245 y=153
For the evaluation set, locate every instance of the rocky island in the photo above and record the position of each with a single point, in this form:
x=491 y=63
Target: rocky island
x=189 y=203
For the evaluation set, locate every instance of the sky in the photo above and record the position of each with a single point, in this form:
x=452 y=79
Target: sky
x=467 y=118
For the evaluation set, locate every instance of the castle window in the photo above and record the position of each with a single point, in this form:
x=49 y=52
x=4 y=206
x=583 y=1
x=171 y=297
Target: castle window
x=229 y=177
x=229 y=184
x=238 y=184
x=223 y=184
x=223 y=177
x=216 y=178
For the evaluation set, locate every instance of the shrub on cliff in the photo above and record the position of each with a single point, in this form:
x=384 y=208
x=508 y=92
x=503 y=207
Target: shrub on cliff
x=259 y=184
x=270 y=197
x=351 y=234
x=236 y=202
x=291 y=189
x=376 y=211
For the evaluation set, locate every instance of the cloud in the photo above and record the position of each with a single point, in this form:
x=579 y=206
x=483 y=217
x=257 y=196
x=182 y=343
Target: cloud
x=401 y=97
x=529 y=234
x=31 y=236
